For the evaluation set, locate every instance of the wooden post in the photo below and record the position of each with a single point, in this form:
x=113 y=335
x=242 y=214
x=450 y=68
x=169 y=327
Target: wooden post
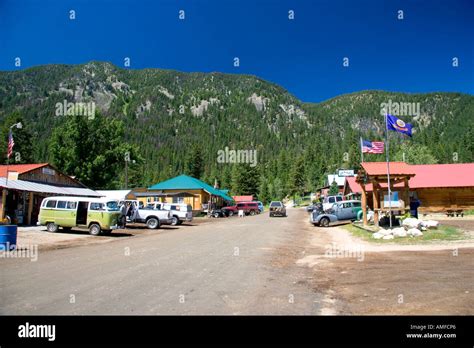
x=364 y=205
x=31 y=196
x=375 y=198
x=407 y=194
x=3 y=204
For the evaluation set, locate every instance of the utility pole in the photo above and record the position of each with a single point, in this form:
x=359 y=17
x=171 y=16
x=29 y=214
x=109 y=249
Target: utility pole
x=127 y=160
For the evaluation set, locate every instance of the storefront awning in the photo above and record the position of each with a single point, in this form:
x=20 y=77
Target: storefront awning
x=22 y=185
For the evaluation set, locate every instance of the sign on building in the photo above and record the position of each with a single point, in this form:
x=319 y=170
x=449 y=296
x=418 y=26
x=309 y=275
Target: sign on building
x=345 y=172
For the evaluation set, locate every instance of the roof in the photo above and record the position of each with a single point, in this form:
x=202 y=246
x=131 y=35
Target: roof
x=248 y=198
x=185 y=182
x=354 y=186
x=23 y=185
x=380 y=168
x=163 y=194
x=443 y=175
x=20 y=168
x=114 y=194
x=427 y=176
x=339 y=179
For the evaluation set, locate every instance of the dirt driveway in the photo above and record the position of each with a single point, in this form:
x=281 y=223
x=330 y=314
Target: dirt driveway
x=360 y=278
x=39 y=237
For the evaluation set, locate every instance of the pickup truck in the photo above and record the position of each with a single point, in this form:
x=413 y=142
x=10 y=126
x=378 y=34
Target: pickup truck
x=153 y=218
x=340 y=212
x=180 y=212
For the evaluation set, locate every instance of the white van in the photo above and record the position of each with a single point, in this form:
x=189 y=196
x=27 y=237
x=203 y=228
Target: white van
x=329 y=201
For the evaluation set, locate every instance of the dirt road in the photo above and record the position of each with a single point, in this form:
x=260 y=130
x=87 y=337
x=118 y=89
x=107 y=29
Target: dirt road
x=252 y=265
x=220 y=268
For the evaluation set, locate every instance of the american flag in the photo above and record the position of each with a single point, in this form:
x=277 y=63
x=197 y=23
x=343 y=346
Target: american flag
x=372 y=146
x=11 y=143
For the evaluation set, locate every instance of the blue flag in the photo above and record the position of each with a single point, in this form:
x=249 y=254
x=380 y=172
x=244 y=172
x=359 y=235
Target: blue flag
x=397 y=125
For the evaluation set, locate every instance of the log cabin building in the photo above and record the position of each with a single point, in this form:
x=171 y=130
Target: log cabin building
x=439 y=187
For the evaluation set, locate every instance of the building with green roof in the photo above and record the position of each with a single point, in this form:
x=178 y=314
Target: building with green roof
x=189 y=190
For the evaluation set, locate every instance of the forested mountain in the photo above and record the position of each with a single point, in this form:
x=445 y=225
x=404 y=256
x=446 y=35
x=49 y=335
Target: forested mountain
x=172 y=122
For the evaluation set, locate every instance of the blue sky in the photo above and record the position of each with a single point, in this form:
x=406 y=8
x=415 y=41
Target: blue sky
x=303 y=55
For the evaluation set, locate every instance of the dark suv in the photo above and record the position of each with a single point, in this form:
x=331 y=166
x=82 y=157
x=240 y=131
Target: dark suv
x=277 y=208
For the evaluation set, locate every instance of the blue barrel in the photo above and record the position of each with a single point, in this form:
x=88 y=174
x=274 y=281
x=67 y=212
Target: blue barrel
x=8 y=237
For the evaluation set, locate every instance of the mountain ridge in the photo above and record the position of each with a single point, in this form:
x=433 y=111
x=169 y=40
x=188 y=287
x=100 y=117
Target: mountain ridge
x=167 y=112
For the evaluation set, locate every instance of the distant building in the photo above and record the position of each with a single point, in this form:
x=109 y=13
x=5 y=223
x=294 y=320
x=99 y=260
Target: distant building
x=185 y=189
x=340 y=180
x=238 y=199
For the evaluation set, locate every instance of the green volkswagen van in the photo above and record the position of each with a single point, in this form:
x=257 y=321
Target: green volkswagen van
x=99 y=215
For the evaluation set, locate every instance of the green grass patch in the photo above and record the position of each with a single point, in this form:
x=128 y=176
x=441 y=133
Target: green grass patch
x=469 y=212
x=442 y=233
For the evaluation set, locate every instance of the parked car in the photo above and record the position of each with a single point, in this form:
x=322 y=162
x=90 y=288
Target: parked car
x=230 y=210
x=330 y=200
x=277 y=208
x=341 y=211
x=249 y=208
x=180 y=212
x=151 y=216
x=260 y=206
x=99 y=215
x=217 y=213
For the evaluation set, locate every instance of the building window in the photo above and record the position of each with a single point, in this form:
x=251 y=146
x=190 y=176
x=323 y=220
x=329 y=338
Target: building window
x=177 y=199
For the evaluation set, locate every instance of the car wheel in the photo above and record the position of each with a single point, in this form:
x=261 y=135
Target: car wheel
x=271 y=214
x=324 y=222
x=52 y=227
x=94 y=229
x=174 y=221
x=216 y=215
x=152 y=223
x=231 y=213
x=252 y=212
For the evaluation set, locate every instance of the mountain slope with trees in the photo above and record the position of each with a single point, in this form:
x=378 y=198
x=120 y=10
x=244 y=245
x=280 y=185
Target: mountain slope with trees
x=172 y=122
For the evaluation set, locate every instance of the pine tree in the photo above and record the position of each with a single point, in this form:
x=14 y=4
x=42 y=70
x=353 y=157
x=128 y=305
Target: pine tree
x=297 y=178
x=263 y=191
x=195 y=163
x=333 y=189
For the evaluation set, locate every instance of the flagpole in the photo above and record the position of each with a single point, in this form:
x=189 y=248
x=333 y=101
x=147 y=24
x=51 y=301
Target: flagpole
x=8 y=155
x=388 y=173
x=361 y=151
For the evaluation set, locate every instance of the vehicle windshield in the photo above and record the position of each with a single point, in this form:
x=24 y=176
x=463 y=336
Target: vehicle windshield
x=112 y=206
x=275 y=204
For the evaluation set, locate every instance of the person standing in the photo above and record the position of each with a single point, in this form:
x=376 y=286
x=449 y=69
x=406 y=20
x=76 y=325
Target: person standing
x=414 y=204
x=123 y=215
